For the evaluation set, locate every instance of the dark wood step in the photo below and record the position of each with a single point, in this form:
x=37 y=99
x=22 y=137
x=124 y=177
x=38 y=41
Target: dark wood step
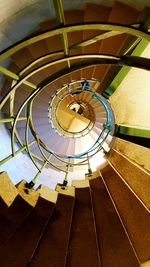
x=114 y=246
x=135 y=216
x=3 y=206
x=83 y=250
x=13 y=218
x=87 y=72
x=66 y=79
x=73 y=17
x=53 y=43
x=22 y=58
x=94 y=13
x=113 y=70
x=38 y=49
x=54 y=243
x=76 y=75
x=123 y=14
x=21 y=246
x=6 y=87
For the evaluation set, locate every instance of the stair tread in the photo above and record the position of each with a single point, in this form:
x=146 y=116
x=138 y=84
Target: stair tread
x=94 y=13
x=82 y=249
x=121 y=13
x=3 y=206
x=13 y=218
x=138 y=154
x=113 y=70
x=22 y=58
x=134 y=215
x=138 y=178
x=53 y=246
x=26 y=238
x=74 y=17
x=114 y=246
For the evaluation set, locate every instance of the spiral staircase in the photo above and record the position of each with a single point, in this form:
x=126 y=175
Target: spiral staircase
x=86 y=199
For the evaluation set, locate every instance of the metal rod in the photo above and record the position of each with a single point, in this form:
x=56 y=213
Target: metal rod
x=29 y=105
x=15 y=76
x=39 y=172
x=94 y=59
x=16 y=119
x=17 y=152
x=87 y=26
x=67 y=171
x=61 y=22
x=12 y=119
x=89 y=166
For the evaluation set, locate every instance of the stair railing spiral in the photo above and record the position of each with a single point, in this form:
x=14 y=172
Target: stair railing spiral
x=87 y=60
x=61 y=94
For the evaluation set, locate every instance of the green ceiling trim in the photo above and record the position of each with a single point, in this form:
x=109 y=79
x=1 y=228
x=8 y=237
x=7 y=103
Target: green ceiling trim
x=133 y=130
x=124 y=70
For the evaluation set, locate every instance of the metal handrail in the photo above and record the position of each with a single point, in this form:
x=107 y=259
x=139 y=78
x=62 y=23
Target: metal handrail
x=59 y=126
x=103 y=59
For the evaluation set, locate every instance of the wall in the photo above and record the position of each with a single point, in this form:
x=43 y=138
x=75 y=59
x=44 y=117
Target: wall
x=131 y=100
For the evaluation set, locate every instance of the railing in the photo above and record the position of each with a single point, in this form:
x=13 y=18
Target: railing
x=60 y=96
x=23 y=78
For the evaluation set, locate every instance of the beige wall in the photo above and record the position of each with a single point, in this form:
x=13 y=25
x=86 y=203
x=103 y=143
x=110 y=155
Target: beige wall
x=131 y=101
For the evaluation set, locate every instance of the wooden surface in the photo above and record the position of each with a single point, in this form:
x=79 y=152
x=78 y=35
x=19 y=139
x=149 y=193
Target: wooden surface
x=8 y=191
x=135 y=216
x=33 y=195
x=114 y=247
x=135 y=176
x=18 y=251
x=13 y=218
x=83 y=247
x=54 y=244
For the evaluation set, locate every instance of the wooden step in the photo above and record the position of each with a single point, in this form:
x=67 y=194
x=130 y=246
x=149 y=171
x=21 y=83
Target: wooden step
x=83 y=250
x=3 y=206
x=52 y=43
x=122 y=14
x=114 y=246
x=32 y=196
x=27 y=237
x=138 y=154
x=38 y=49
x=13 y=218
x=22 y=58
x=73 y=17
x=66 y=79
x=93 y=13
x=87 y=72
x=136 y=177
x=113 y=70
x=52 y=249
x=8 y=191
x=134 y=215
